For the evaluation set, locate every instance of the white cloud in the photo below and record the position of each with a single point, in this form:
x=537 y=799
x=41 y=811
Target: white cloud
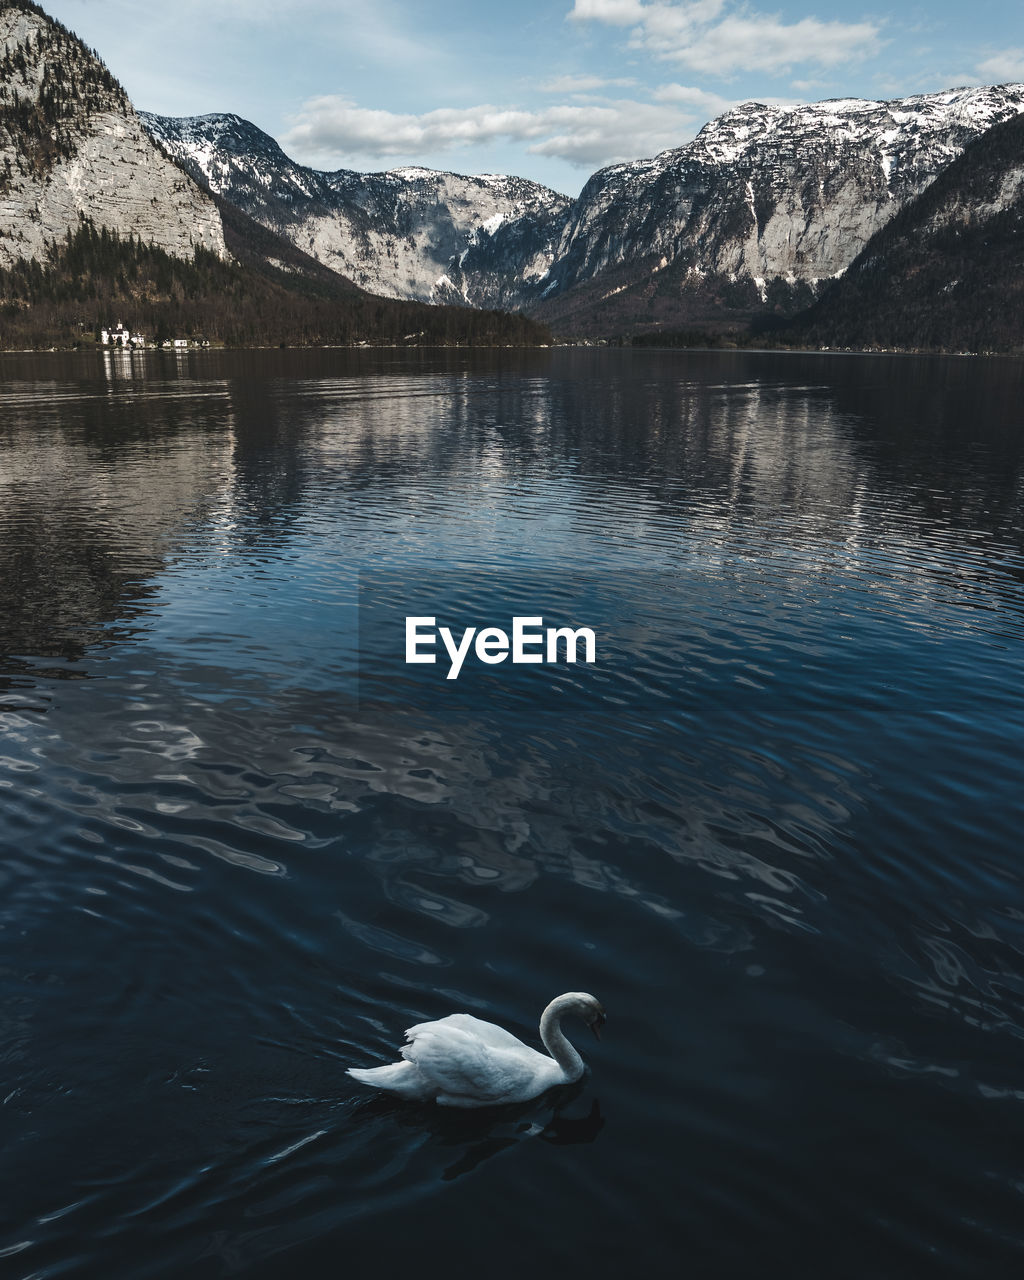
x=619 y=13
x=811 y=85
x=622 y=130
x=719 y=39
x=584 y=84
x=331 y=131
x=766 y=44
x=700 y=99
x=331 y=125
x=1003 y=67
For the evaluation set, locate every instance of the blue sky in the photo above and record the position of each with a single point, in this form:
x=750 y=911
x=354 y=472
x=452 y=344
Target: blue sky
x=548 y=89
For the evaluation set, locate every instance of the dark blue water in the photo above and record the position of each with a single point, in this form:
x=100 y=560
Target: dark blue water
x=775 y=827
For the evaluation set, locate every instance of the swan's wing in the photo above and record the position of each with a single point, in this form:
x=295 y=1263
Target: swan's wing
x=462 y=1065
x=495 y=1036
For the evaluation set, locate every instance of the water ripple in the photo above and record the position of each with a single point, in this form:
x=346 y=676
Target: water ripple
x=775 y=828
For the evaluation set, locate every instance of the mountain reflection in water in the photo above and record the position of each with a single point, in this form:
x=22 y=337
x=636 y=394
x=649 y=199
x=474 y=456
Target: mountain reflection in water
x=775 y=828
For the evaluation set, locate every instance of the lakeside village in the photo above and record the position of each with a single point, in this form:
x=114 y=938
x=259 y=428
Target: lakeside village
x=122 y=339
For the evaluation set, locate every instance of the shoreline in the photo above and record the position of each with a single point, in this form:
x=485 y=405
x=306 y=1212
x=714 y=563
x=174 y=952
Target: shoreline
x=595 y=345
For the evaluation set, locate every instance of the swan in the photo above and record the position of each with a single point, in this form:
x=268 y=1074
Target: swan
x=461 y=1061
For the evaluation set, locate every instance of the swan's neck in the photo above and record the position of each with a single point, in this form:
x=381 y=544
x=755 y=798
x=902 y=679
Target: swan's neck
x=556 y=1043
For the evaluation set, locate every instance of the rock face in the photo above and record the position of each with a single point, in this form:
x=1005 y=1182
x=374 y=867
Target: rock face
x=948 y=271
x=73 y=147
x=408 y=233
x=763 y=194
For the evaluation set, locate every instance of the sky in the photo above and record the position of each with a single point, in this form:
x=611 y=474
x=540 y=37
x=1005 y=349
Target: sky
x=547 y=89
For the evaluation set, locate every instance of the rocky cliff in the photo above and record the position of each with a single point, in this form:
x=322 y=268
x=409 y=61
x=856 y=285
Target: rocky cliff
x=72 y=147
x=767 y=191
x=948 y=271
x=408 y=233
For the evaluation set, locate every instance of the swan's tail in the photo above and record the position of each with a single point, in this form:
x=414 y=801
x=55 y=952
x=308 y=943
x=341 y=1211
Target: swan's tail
x=396 y=1077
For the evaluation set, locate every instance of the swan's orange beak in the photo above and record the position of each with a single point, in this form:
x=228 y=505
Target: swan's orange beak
x=597 y=1024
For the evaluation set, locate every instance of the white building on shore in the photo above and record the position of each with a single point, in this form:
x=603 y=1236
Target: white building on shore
x=121 y=337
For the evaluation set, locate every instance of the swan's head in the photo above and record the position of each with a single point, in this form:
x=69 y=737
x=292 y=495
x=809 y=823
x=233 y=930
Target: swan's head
x=590 y=1010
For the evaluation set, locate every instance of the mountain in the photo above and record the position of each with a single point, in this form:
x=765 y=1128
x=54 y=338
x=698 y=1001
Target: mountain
x=72 y=146
x=753 y=218
x=765 y=204
x=408 y=233
x=767 y=191
x=948 y=271
x=97 y=221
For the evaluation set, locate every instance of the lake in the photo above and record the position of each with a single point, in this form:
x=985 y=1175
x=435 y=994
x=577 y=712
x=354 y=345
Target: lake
x=775 y=826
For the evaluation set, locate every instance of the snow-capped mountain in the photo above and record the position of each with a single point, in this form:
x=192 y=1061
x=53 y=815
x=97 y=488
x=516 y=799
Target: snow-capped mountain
x=766 y=191
x=762 y=194
x=72 y=146
x=407 y=233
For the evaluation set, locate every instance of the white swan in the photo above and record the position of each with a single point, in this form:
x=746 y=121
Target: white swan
x=460 y=1061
